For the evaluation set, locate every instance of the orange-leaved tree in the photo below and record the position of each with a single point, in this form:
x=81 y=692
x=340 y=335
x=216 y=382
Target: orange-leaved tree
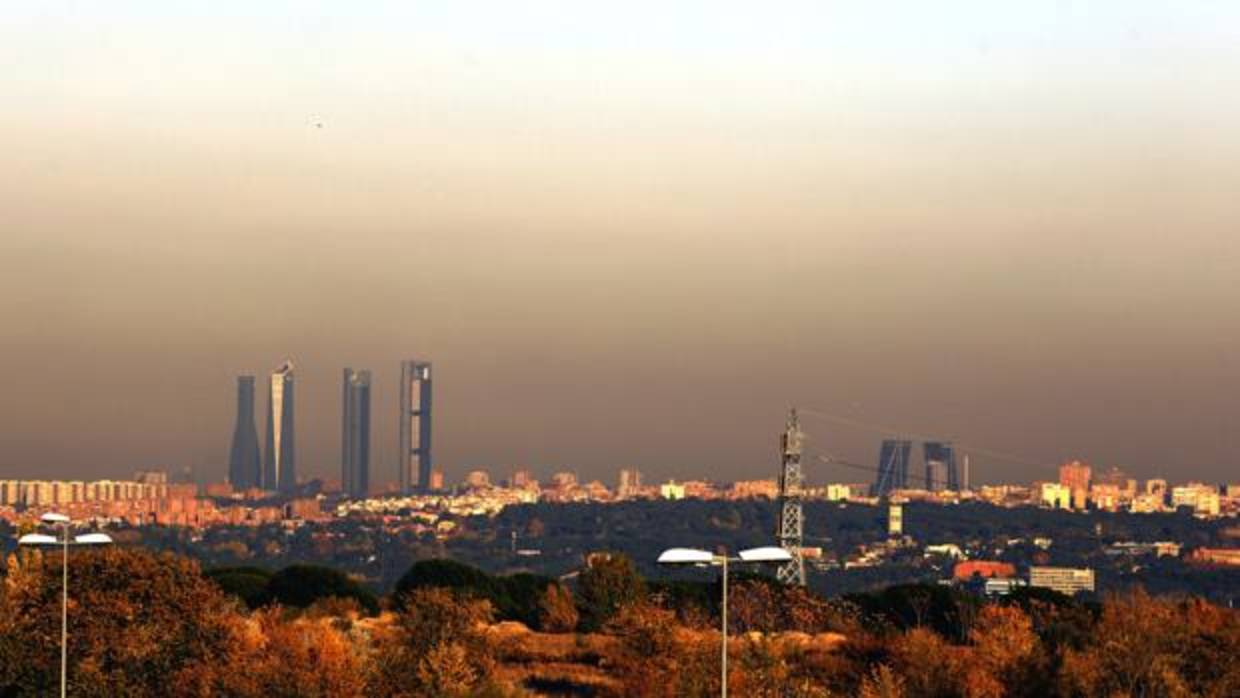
x=139 y=624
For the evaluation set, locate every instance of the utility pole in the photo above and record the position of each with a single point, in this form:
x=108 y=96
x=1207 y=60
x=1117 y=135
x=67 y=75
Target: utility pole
x=790 y=513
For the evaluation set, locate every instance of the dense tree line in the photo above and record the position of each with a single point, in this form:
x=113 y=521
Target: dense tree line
x=144 y=624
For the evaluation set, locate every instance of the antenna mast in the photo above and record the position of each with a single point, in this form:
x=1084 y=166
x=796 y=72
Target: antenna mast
x=790 y=513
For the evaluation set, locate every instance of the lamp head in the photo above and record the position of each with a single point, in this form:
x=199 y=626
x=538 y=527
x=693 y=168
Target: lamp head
x=685 y=556
x=767 y=553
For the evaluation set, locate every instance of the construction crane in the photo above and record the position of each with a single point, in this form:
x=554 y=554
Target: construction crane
x=791 y=516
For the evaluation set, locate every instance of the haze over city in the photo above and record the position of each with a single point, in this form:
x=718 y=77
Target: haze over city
x=625 y=237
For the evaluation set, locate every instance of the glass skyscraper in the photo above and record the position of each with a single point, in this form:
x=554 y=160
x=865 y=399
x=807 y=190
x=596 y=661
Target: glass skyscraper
x=414 y=456
x=244 y=468
x=279 y=460
x=355 y=433
x=941 y=470
x=892 y=466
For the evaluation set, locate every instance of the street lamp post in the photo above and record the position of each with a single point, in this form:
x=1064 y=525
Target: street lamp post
x=33 y=539
x=703 y=558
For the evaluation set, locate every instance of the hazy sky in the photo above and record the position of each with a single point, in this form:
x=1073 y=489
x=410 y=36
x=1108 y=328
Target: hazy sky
x=625 y=233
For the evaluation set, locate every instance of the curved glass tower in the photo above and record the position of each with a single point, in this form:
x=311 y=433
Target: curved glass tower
x=244 y=469
x=279 y=460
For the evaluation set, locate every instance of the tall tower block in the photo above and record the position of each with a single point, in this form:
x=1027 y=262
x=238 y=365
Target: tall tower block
x=355 y=433
x=414 y=456
x=279 y=460
x=941 y=470
x=893 y=457
x=244 y=463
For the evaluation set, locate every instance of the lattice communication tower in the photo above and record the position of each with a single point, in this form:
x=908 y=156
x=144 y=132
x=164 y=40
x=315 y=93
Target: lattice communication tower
x=791 y=515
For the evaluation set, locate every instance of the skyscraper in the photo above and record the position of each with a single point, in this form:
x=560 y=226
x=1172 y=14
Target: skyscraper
x=941 y=471
x=244 y=467
x=414 y=456
x=355 y=433
x=892 y=466
x=279 y=460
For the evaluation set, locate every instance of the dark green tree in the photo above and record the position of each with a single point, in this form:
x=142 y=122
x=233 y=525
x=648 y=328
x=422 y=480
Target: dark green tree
x=246 y=583
x=608 y=583
x=302 y=585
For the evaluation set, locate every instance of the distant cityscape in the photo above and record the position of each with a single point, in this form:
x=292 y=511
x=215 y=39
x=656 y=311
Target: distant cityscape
x=263 y=489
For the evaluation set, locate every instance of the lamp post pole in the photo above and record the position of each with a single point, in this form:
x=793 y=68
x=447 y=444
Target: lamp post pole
x=702 y=558
x=39 y=539
x=64 y=610
x=723 y=663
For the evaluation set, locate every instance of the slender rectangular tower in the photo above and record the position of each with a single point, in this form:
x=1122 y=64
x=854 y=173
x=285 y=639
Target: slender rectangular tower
x=355 y=434
x=414 y=456
x=244 y=464
x=279 y=461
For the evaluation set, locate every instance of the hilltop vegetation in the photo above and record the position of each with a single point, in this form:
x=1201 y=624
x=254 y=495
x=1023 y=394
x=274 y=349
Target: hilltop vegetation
x=144 y=624
x=550 y=540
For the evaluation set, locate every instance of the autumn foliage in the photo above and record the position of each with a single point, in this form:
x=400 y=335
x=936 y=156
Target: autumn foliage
x=154 y=625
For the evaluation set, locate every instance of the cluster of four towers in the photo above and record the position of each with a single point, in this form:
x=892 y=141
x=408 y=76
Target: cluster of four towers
x=277 y=470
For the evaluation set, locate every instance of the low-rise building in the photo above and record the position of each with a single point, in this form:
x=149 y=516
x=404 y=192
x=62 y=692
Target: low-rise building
x=672 y=490
x=1055 y=495
x=1228 y=557
x=982 y=568
x=1065 y=580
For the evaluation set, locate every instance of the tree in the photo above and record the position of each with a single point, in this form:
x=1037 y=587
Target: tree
x=646 y=650
x=139 y=625
x=558 y=613
x=754 y=606
x=302 y=585
x=246 y=583
x=437 y=647
x=608 y=583
x=882 y=683
x=446 y=574
x=1146 y=646
x=1004 y=651
x=297 y=658
x=513 y=597
x=926 y=664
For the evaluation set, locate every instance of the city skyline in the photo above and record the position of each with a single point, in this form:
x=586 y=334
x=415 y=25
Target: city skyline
x=625 y=241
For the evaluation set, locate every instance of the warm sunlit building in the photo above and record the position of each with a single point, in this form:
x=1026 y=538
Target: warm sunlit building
x=672 y=490
x=1065 y=580
x=964 y=571
x=1055 y=495
x=1076 y=477
x=750 y=489
x=837 y=492
x=1156 y=487
x=630 y=483
x=1202 y=498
